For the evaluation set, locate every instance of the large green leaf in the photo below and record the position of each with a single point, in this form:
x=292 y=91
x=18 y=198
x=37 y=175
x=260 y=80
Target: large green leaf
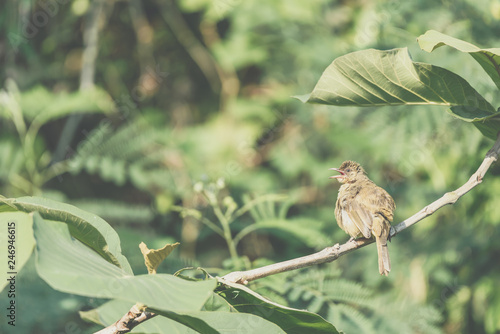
x=113 y=310
x=225 y=322
x=17 y=235
x=69 y=266
x=383 y=78
x=489 y=59
x=86 y=227
x=380 y=78
x=208 y=322
x=288 y=319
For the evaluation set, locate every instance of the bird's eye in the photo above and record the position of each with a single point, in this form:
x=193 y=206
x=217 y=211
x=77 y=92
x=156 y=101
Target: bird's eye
x=348 y=170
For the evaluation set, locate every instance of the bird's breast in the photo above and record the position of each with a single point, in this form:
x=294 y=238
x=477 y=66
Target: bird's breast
x=346 y=194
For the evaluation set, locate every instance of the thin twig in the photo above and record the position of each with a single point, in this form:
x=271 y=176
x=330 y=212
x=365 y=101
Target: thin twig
x=453 y=196
x=330 y=254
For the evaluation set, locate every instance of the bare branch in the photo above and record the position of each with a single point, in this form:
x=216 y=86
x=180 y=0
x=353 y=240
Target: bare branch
x=134 y=317
x=330 y=254
x=453 y=196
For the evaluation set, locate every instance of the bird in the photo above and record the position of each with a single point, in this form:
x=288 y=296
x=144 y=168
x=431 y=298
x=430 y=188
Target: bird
x=363 y=209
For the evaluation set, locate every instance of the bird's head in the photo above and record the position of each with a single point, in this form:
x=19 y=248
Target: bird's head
x=350 y=172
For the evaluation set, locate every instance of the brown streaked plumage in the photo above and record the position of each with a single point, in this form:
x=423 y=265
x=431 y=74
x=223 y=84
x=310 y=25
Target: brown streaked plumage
x=364 y=210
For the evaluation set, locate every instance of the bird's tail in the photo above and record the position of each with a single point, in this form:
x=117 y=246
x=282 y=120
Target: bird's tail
x=381 y=229
x=384 y=263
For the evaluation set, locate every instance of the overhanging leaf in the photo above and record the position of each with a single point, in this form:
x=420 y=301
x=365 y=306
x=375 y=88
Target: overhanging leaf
x=489 y=59
x=69 y=266
x=488 y=124
x=380 y=78
x=154 y=257
x=86 y=227
x=383 y=78
x=288 y=319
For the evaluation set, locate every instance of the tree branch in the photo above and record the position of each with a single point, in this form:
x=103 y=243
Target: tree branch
x=330 y=254
x=453 y=196
x=133 y=318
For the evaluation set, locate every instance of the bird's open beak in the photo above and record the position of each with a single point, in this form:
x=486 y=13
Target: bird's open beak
x=342 y=174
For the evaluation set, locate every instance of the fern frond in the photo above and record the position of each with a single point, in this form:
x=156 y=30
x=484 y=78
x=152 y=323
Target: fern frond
x=354 y=308
x=340 y=290
x=353 y=321
x=135 y=152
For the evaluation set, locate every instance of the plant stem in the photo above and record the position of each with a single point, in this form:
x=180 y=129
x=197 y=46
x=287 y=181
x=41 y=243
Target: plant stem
x=204 y=220
x=227 y=233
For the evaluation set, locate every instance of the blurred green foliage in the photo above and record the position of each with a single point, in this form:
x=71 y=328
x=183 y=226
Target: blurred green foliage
x=201 y=92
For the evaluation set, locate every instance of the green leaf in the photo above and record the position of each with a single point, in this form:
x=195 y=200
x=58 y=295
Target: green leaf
x=110 y=153
x=383 y=78
x=13 y=161
x=69 y=266
x=41 y=105
x=21 y=242
x=488 y=124
x=113 y=310
x=189 y=321
x=206 y=322
x=380 y=78
x=229 y=322
x=489 y=59
x=84 y=226
x=10 y=107
x=290 y=320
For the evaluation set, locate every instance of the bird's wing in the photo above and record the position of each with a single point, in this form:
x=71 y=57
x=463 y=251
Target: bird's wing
x=377 y=201
x=361 y=210
x=356 y=213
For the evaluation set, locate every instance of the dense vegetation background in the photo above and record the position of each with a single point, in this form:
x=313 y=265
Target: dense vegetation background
x=194 y=97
